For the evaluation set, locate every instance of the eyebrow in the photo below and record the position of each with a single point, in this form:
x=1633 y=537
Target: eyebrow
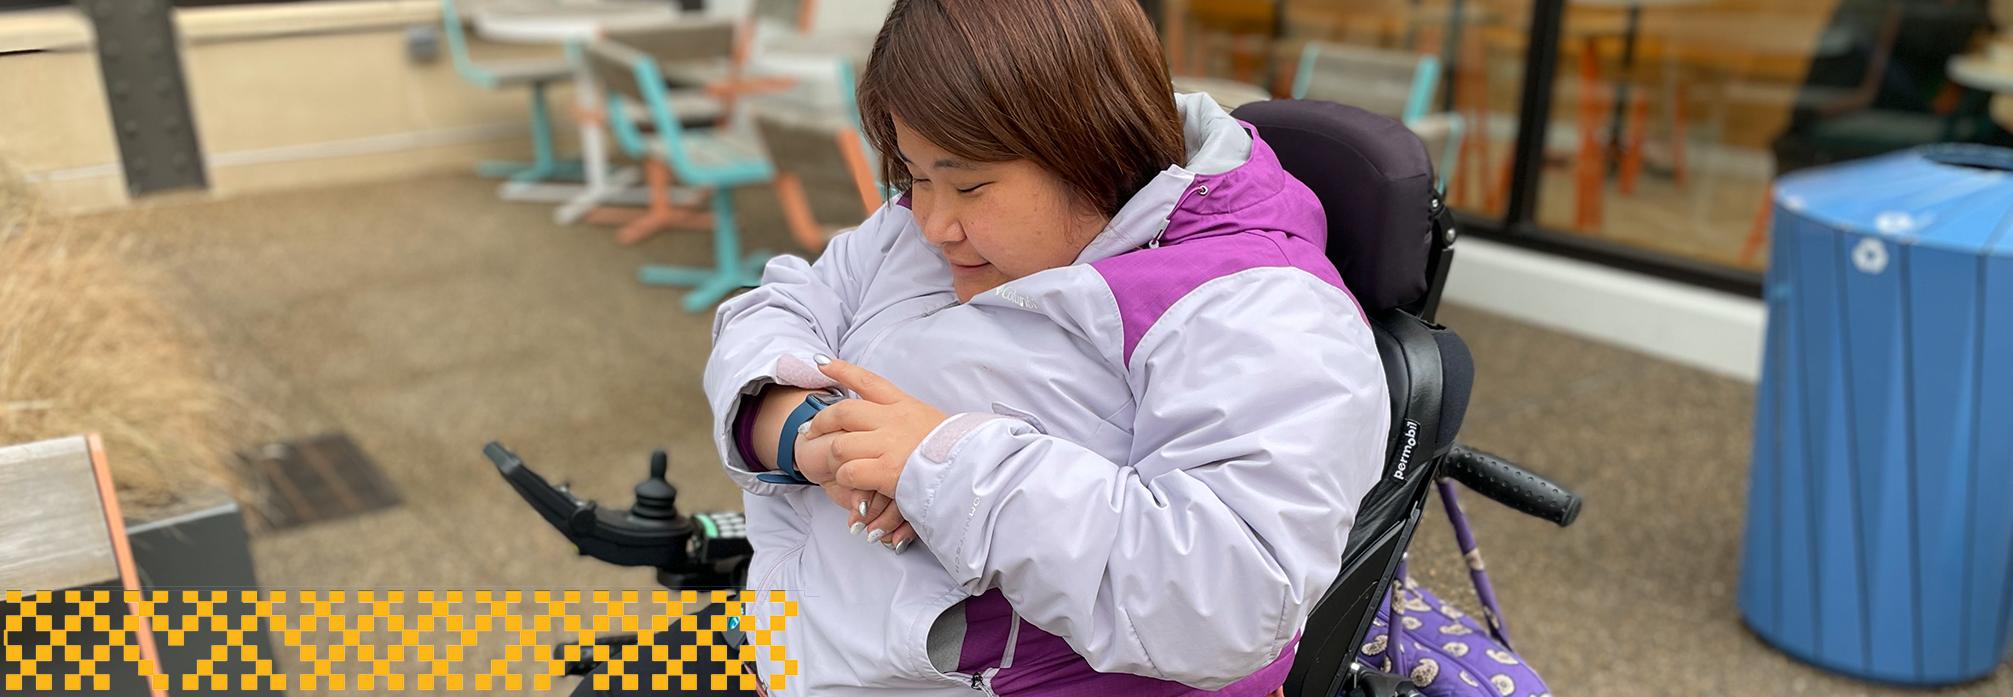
x=947 y=163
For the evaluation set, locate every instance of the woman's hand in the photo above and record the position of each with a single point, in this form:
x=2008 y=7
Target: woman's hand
x=873 y=436
x=874 y=513
x=866 y=511
x=814 y=457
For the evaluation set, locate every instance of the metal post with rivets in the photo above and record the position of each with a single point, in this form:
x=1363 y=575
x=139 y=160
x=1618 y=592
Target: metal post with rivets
x=140 y=62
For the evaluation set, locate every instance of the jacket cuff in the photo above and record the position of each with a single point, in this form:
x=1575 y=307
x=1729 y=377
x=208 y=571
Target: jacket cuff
x=744 y=433
x=735 y=431
x=944 y=480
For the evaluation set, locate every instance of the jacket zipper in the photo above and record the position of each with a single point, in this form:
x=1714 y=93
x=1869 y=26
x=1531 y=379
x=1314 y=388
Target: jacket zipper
x=982 y=681
x=1164 y=222
x=769 y=579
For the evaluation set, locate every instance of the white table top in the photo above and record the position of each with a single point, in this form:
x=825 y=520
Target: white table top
x=1977 y=71
x=852 y=47
x=559 y=22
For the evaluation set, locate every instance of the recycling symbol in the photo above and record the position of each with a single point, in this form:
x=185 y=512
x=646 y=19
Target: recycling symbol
x=1870 y=256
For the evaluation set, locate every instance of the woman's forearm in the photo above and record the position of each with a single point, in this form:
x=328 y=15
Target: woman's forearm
x=773 y=407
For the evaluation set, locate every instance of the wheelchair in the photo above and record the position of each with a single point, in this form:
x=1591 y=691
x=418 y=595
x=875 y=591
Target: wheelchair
x=1392 y=237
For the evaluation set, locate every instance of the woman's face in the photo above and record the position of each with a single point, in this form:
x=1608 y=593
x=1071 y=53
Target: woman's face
x=993 y=221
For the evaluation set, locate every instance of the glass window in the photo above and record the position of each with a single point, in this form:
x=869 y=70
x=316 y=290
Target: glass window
x=1667 y=119
x=1451 y=69
x=1671 y=117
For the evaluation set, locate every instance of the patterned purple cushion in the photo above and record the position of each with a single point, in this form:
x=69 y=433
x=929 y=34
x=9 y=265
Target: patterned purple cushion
x=1444 y=651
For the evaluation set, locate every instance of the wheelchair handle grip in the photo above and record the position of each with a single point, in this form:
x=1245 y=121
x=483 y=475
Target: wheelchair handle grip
x=1513 y=486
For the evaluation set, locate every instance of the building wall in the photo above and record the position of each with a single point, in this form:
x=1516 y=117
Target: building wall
x=284 y=95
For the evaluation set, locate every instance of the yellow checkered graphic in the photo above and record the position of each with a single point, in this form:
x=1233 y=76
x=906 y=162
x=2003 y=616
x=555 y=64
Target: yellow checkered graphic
x=425 y=641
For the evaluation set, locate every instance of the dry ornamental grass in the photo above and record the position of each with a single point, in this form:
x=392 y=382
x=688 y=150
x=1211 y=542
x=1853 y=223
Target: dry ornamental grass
x=85 y=345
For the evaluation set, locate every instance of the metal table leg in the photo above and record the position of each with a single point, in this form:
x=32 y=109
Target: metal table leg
x=1629 y=31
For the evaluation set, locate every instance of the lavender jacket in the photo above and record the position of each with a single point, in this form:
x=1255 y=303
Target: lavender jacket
x=1154 y=458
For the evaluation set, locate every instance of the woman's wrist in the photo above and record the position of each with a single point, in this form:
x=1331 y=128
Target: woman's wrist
x=772 y=407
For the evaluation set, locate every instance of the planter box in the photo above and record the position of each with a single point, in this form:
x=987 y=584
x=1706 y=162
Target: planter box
x=200 y=545
x=61 y=537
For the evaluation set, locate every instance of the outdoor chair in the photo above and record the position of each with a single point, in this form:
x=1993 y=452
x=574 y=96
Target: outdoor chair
x=715 y=161
x=825 y=173
x=534 y=73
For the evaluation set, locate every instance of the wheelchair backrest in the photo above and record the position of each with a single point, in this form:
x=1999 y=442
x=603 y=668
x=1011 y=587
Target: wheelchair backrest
x=1390 y=236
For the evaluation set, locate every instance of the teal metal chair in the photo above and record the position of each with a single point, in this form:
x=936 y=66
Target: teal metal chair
x=826 y=175
x=1397 y=84
x=706 y=159
x=494 y=75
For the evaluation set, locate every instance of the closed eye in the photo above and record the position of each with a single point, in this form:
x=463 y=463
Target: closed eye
x=974 y=187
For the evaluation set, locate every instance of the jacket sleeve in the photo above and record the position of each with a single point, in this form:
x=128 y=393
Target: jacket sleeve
x=1260 y=423
x=769 y=334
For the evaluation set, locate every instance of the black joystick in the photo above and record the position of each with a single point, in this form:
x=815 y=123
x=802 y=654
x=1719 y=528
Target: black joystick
x=704 y=550
x=656 y=498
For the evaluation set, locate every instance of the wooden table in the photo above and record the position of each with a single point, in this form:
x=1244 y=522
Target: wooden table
x=560 y=22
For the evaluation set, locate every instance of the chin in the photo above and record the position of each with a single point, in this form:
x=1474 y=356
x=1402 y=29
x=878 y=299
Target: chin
x=967 y=291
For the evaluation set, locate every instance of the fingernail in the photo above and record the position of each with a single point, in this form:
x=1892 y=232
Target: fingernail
x=804 y=428
x=904 y=544
x=857 y=527
x=875 y=536
x=821 y=359
x=863 y=509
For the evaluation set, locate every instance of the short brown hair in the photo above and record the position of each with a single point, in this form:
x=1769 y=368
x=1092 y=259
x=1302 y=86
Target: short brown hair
x=1078 y=87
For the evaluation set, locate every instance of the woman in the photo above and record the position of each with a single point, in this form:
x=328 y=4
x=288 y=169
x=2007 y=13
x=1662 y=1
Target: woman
x=1114 y=407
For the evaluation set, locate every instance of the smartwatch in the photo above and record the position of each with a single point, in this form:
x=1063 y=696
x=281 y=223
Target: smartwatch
x=786 y=447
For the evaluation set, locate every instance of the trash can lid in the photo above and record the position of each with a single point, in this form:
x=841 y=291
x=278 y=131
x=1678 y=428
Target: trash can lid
x=1957 y=197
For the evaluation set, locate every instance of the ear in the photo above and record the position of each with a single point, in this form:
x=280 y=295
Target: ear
x=1087 y=219
x=1086 y=213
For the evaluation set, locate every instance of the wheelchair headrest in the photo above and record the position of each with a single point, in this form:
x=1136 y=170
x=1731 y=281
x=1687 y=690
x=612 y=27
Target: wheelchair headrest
x=1375 y=183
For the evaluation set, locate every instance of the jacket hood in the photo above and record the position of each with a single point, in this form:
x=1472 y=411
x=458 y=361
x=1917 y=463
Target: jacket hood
x=1230 y=182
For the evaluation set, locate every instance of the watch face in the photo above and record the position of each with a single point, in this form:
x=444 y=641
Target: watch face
x=826 y=399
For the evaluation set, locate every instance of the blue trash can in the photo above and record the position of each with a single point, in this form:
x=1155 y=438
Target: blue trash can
x=1880 y=507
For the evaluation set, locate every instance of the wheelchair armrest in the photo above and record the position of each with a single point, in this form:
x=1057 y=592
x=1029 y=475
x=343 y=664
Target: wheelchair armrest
x=1513 y=486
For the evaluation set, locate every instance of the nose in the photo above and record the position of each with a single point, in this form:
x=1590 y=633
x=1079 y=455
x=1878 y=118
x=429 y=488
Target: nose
x=940 y=223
